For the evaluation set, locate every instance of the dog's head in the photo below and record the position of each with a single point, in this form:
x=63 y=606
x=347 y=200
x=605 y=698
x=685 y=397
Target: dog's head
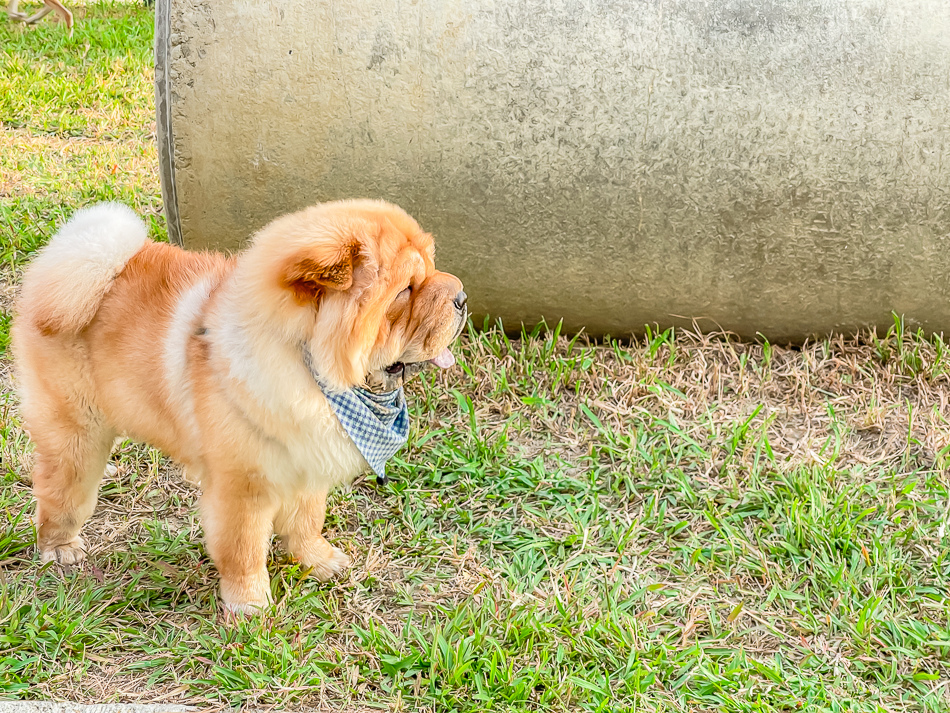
x=355 y=282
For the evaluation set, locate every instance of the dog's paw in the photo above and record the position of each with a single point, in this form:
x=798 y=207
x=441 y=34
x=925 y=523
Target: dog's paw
x=70 y=553
x=331 y=564
x=246 y=596
x=235 y=610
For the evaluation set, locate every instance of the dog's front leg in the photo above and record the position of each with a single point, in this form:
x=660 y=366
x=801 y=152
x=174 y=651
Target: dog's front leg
x=300 y=525
x=237 y=512
x=13 y=10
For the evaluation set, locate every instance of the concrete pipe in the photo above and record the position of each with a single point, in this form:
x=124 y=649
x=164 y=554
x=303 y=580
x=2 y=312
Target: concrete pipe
x=762 y=166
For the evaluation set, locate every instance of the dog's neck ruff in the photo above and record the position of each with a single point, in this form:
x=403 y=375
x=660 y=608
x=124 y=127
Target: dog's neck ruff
x=377 y=423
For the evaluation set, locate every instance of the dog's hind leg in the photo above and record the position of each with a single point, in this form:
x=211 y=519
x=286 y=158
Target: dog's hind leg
x=53 y=5
x=71 y=455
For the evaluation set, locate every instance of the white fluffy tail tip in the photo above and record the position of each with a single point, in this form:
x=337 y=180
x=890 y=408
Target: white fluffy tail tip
x=116 y=218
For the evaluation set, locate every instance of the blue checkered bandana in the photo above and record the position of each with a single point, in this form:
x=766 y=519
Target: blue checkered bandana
x=377 y=423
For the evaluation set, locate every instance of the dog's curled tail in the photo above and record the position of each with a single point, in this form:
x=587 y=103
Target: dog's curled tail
x=65 y=284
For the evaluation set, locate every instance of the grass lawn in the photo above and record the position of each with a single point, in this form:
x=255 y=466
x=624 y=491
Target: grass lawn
x=674 y=523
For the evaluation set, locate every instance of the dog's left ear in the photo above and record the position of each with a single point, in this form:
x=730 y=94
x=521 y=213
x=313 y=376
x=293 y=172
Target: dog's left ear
x=310 y=275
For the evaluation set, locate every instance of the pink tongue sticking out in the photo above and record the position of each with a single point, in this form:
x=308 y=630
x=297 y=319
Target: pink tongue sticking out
x=444 y=360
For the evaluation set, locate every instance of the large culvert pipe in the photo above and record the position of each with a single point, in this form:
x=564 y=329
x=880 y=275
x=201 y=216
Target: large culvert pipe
x=773 y=166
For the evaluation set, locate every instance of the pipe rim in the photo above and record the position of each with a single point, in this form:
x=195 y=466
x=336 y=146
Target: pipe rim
x=163 y=120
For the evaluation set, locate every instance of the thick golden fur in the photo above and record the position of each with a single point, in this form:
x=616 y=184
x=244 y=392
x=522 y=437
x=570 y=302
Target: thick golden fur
x=201 y=355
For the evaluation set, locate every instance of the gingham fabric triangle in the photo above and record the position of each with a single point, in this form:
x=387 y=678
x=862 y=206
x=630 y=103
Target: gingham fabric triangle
x=377 y=423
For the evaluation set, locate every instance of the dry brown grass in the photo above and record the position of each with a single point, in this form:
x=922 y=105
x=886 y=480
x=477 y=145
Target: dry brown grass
x=864 y=414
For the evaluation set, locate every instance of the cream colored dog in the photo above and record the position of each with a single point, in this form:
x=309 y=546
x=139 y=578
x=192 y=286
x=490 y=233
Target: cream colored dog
x=223 y=363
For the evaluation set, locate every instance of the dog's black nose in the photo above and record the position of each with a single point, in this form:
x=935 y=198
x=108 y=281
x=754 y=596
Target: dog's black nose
x=460 y=299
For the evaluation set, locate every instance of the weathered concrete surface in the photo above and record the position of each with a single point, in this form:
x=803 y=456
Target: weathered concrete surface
x=773 y=166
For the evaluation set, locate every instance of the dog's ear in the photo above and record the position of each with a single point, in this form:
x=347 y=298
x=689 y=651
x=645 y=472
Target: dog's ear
x=312 y=274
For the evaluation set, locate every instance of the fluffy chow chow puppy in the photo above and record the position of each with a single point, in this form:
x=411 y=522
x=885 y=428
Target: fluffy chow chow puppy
x=272 y=376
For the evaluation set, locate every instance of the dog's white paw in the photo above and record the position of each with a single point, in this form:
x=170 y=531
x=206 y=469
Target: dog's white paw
x=70 y=553
x=246 y=596
x=330 y=565
x=238 y=609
